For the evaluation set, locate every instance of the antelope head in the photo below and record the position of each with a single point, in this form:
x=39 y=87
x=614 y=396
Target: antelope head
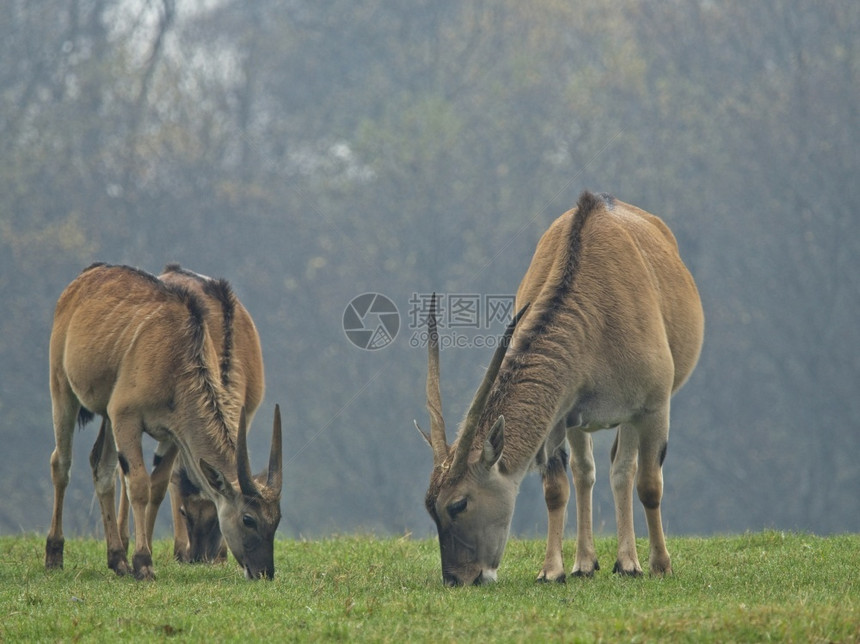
x=250 y=515
x=205 y=542
x=469 y=498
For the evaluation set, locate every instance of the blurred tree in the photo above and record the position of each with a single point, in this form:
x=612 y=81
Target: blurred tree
x=314 y=151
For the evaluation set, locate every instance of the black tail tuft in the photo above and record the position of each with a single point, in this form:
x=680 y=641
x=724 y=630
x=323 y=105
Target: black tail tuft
x=84 y=416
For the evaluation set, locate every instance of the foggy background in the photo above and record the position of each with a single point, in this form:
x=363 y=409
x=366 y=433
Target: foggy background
x=310 y=152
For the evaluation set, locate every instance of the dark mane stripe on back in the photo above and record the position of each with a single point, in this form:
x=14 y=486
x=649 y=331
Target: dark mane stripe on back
x=550 y=305
x=587 y=204
x=220 y=290
x=206 y=386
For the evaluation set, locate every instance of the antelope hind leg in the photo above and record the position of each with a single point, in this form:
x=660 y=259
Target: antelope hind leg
x=64 y=414
x=622 y=474
x=649 y=486
x=583 y=471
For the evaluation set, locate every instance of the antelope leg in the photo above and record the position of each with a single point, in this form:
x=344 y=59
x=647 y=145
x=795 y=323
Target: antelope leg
x=64 y=414
x=622 y=474
x=103 y=461
x=582 y=468
x=159 y=480
x=127 y=433
x=653 y=439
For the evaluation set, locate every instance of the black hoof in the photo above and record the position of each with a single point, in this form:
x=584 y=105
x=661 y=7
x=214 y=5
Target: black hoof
x=559 y=580
x=618 y=570
x=587 y=575
x=118 y=562
x=143 y=570
x=54 y=554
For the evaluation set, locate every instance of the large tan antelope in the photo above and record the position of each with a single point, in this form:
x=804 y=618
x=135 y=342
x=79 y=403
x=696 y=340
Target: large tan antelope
x=196 y=534
x=138 y=351
x=614 y=327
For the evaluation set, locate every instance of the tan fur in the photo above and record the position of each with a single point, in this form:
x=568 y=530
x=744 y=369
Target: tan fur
x=196 y=534
x=138 y=352
x=615 y=326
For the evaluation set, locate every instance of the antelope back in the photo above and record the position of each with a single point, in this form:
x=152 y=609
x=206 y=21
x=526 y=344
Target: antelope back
x=122 y=336
x=633 y=295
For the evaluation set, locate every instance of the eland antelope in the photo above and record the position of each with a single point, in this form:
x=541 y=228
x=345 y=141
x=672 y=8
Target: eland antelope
x=138 y=351
x=614 y=327
x=196 y=534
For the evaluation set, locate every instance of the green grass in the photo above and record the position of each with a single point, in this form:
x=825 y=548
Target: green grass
x=756 y=587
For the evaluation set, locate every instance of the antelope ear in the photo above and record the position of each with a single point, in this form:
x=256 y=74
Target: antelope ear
x=494 y=444
x=217 y=481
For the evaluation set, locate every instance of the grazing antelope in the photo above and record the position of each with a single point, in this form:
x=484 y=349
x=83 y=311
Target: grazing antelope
x=137 y=351
x=196 y=534
x=614 y=327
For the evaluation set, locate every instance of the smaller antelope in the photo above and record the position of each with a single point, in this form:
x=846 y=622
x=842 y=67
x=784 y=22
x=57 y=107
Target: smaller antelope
x=137 y=351
x=196 y=533
x=614 y=327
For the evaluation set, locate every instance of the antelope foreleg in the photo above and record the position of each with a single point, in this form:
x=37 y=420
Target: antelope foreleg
x=137 y=482
x=181 y=542
x=556 y=491
x=159 y=481
x=122 y=513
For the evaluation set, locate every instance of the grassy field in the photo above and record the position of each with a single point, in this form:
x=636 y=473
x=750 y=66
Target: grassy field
x=756 y=587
